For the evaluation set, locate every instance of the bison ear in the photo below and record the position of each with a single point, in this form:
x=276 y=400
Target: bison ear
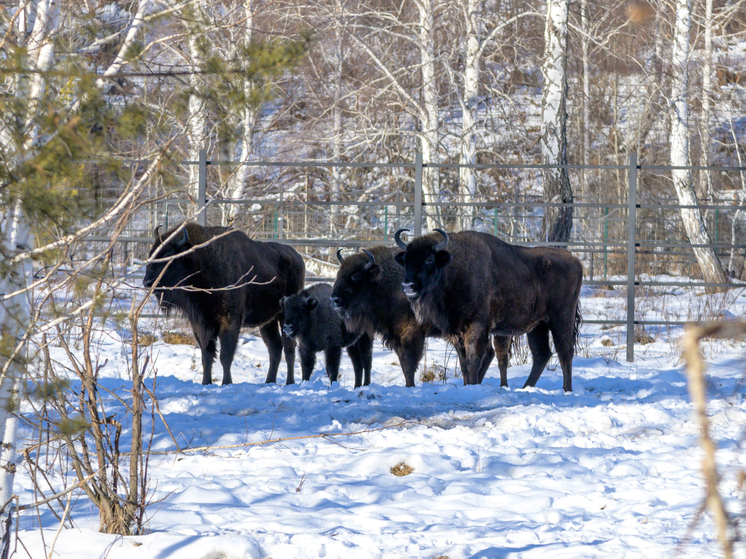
x=400 y=258
x=442 y=258
x=312 y=303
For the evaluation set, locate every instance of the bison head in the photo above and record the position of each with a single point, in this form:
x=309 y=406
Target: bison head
x=423 y=260
x=355 y=287
x=298 y=309
x=175 y=269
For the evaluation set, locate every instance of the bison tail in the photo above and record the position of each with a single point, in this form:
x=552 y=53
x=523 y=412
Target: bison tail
x=578 y=322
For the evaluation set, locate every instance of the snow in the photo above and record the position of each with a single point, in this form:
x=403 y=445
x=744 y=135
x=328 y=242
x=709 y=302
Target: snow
x=610 y=470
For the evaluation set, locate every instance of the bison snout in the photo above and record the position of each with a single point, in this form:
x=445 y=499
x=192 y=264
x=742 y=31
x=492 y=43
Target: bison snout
x=409 y=290
x=336 y=302
x=289 y=332
x=148 y=282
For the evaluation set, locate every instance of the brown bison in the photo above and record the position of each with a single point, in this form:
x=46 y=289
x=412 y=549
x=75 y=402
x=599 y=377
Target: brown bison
x=221 y=280
x=367 y=295
x=469 y=285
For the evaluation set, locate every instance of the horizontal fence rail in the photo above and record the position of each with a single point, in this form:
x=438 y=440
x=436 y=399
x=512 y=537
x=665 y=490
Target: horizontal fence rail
x=614 y=235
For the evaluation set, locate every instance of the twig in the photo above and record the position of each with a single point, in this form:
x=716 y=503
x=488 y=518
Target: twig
x=695 y=367
x=280 y=440
x=56 y=496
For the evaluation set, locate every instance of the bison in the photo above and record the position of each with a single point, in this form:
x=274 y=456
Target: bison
x=311 y=320
x=368 y=296
x=221 y=280
x=470 y=285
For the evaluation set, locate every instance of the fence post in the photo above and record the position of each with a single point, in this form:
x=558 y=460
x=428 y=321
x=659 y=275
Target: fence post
x=202 y=192
x=417 y=195
x=631 y=245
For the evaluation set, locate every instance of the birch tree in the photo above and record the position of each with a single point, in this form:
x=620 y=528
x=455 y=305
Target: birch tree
x=694 y=225
x=36 y=26
x=391 y=39
x=240 y=177
x=557 y=223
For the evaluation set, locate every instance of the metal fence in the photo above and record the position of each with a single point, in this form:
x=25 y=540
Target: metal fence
x=621 y=237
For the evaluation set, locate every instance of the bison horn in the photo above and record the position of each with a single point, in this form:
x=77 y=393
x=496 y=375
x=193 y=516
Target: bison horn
x=444 y=243
x=157 y=233
x=397 y=237
x=372 y=260
x=339 y=255
x=184 y=238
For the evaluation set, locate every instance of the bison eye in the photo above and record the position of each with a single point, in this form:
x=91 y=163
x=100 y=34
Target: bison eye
x=357 y=277
x=430 y=261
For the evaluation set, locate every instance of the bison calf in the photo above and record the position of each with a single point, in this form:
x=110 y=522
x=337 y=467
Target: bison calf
x=221 y=280
x=310 y=319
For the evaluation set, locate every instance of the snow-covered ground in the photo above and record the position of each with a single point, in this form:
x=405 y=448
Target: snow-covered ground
x=610 y=470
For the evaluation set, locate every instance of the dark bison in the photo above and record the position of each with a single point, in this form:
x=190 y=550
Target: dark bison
x=311 y=320
x=470 y=285
x=368 y=296
x=222 y=280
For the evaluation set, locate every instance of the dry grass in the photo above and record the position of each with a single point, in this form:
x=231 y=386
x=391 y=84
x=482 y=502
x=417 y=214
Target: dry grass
x=178 y=338
x=643 y=338
x=401 y=469
x=433 y=372
x=144 y=339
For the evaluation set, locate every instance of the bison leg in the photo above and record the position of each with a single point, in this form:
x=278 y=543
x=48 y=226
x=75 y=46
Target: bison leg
x=564 y=344
x=479 y=354
x=361 y=355
x=538 y=343
x=409 y=350
x=307 y=362
x=270 y=333
x=288 y=346
x=228 y=344
x=208 y=348
x=502 y=350
x=486 y=360
x=461 y=353
x=333 y=355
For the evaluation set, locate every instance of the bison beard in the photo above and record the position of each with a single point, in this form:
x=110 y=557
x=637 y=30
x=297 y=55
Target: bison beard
x=221 y=280
x=469 y=285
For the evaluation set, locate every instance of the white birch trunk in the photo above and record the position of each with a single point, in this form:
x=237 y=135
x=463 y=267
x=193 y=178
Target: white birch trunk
x=706 y=176
x=120 y=61
x=585 y=46
x=197 y=115
x=337 y=123
x=557 y=221
x=430 y=134
x=15 y=312
x=240 y=178
x=470 y=107
x=694 y=224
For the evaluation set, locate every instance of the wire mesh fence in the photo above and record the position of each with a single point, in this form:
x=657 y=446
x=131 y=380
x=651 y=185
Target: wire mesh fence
x=627 y=225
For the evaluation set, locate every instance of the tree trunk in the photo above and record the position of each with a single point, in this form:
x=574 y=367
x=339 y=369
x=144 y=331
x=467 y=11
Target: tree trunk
x=557 y=224
x=240 y=177
x=196 y=133
x=429 y=132
x=469 y=108
x=694 y=224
